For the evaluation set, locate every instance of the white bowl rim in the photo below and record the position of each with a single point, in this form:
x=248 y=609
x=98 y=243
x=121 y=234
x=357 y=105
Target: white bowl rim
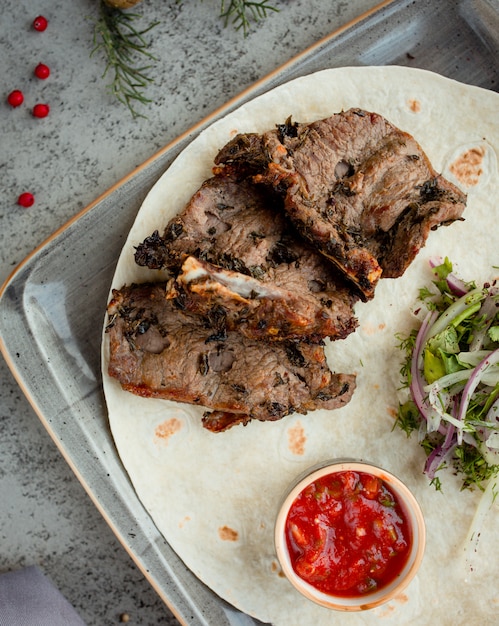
x=411 y=508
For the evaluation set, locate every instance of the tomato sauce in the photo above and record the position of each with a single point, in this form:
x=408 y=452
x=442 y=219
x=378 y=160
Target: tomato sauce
x=347 y=534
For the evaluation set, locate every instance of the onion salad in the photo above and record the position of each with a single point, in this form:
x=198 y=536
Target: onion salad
x=451 y=370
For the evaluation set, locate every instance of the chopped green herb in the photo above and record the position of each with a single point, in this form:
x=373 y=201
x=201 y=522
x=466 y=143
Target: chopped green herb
x=451 y=368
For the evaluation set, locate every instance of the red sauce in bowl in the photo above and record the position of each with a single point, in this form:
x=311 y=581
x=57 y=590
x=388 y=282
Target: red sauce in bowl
x=347 y=534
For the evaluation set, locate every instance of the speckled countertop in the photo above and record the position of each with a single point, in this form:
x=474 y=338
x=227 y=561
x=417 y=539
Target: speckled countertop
x=86 y=144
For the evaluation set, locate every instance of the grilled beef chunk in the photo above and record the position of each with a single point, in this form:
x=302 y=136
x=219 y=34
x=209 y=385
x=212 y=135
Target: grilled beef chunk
x=229 y=222
x=158 y=350
x=218 y=421
x=257 y=309
x=360 y=189
x=240 y=227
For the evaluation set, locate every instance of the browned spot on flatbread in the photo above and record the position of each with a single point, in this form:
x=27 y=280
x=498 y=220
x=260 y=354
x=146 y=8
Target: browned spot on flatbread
x=275 y=567
x=184 y=521
x=371 y=329
x=166 y=429
x=297 y=439
x=386 y=610
x=402 y=598
x=392 y=412
x=468 y=166
x=228 y=534
x=414 y=105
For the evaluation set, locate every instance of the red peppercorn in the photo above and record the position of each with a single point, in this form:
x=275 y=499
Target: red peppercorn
x=41 y=110
x=15 y=98
x=40 y=23
x=26 y=199
x=42 y=71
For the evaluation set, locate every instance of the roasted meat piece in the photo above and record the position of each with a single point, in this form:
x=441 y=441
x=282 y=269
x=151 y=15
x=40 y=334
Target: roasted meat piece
x=257 y=309
x=360 y=189
x=158 y=350
x=240 y=227
x=229 y=222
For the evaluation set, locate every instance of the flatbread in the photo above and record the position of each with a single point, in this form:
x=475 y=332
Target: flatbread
x=214 y=497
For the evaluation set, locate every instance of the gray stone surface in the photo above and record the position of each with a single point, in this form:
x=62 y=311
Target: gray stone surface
x=87 y=144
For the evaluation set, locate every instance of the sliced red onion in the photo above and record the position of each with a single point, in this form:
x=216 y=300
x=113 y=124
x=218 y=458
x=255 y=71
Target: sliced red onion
x=492 y=441
x=438 y=456
x=456 y=286
x=475 y=530
x=472 y=358
x=488 y=311
x=449 y=380
x=441 y=393
x=417 y=382
x=491 y=435
x=435 y=261
x=474 y=380
x=444 y=452
x=493 y=412
x=455 y=309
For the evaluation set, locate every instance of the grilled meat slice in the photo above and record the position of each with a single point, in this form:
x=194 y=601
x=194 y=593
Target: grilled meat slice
x=158 y=350
x=218 y=421
x=257 y=309
x=240 y=227
x=360 y=189
x=229 y=222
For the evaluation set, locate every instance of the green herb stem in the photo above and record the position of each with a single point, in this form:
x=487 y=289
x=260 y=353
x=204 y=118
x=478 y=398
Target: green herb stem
x=242 y=12
x=122 y=43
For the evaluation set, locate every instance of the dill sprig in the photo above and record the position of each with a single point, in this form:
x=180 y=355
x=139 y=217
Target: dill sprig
x=241 y=12
x=115 y=34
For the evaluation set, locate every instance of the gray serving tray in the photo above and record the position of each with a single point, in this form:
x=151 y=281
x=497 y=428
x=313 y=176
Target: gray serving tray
x=50 y=330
